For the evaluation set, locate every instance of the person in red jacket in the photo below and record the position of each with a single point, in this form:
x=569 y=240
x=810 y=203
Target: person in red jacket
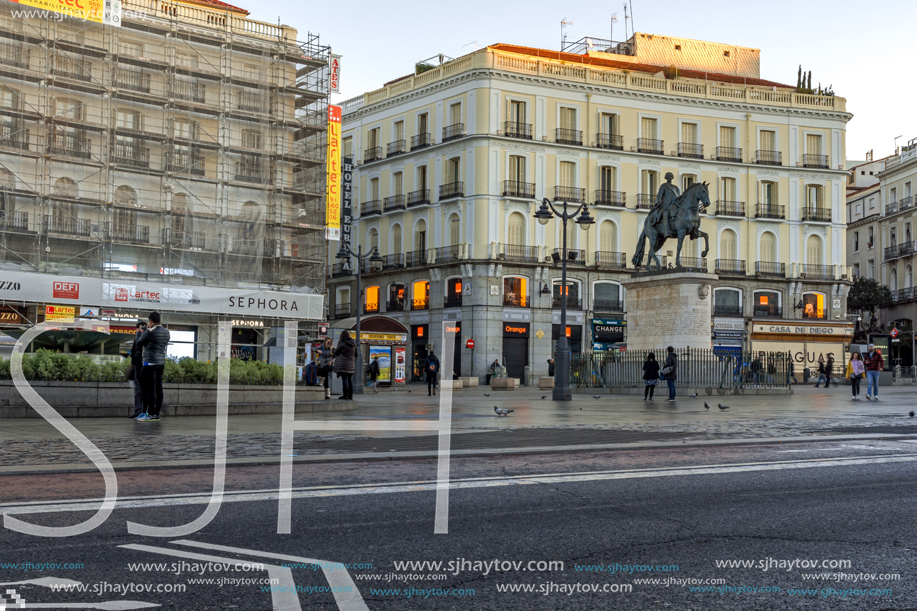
x=874 y=366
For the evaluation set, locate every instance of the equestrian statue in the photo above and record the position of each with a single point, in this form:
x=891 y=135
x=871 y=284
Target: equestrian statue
x=674 y=215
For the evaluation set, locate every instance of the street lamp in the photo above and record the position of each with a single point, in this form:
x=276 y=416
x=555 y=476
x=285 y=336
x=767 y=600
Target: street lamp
x=373 y=255
x=545 y=213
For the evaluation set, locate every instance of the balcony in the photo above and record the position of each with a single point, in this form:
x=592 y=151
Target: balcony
x=514 y=188
x=452 y=301
x=512 y=129
x=725 y=207
x=395 y=305
x=395 y=148
x=188 y=240
x=132 y=234
x=181 y=162
x=13 y=55
x=420 y=303
x=420 y=141
x=395 y=202
x=614 y=142
x=815 y=161
x=729 y=311
x=249 y=172
x=447 y=254
x=610 y=260
x=575 y=256
x=610 y=198
x=817 y=272
x=512 y=300
x=189 y=91
x=67 y=225
x=728 y=153
x=13 y=137
x=341 y=269
x=130 y=155
x=764 y=157
x=371 y=207
x=342 y=310
x=770 y=211
x=519 y=254
x=816 y=315
x=251 y=101
x=648 y=145
x=418 y=198
x=133 y=80
x=568 y=136
x=891 y=252
x=906 y=202
x=371 y=308
x=691 y=150
x=569 y=194
x=662 y=258
x=645 y=201
x=573 y=303
x=452 y=189
x=607 y=305
x=415 y=258
x=68 y=145
x=770 y=269
x=732 y=267
x=694 y=264
x=453 y=132
x=819 y=215
x=16 y=221
x=393 y=261
x=761 y=310
x=69 y=67
x=902 y=295
x=891 y=208
x=372 y=154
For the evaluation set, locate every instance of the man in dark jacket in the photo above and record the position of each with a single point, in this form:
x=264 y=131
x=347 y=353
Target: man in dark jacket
x=432 y=370
x=154 y=342
x=134 y=371
x=874 y=366
x=670 y=371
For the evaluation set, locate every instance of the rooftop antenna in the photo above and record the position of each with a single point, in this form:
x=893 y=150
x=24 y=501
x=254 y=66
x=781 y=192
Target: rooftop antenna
x=611 y=37
x=563 y=37
x=633 y=28
x=626 y=37
x=896 y=143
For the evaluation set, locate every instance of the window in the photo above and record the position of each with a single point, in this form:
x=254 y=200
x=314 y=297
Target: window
x=373 y=189
x=727 y=302
x=515 y=292
x=182 y=128
x=252 y=72
x=517 y=168
x=372 y=299
x=373 y=239
x=608 y=237
x=396 y=239
x=870 y=242
x=871 y=269
x=813 y=144
x=66 y=187
x=856 y=241
x=343 y=297
x=398 y=183
x=893 y=195
x=9 y=98
x=892 y=236
x=374 y=138
x=187 y=60
x=814 y=196
x=422 y=177
x=607 y=297
x=872 y=202
x=421 y=294
x=65 y=107
x=767 y=303
x=728 y=244
x=768 y=140
x=130 y=48
x=908 y=277
x=687 y=180
x=453 y=292
x=251 y=138
x=649 y=182
x=455 y=230
x=396 y=297
x=907 y=233
x=728 y=189
x=455 y=113
x=893 y=280
x=423 y=121
x=858 y=210
x=768 y=247
x=572 y=290
x=347 y=147
x=7 y=180
x=727 y=136
x=420 y=236
x=128 y=119
x=813 y=305
x=452 y=169
x=399 y=131
x=608 y=179
x=689 y=133
x=648 y=128
x=516 y=111
x=182 y=344
x=179 y=210
x=813 y=251
x=769 y=193
x=125 y=196
x=609 y=124
x=516 y=229
x=568 y=118
x=856 y=270
x=567 y=176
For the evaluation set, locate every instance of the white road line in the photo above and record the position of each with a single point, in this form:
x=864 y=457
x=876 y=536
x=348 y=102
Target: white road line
x=468 y=483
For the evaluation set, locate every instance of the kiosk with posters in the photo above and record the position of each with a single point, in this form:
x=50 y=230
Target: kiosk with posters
x=380 y=337
x=805 y=341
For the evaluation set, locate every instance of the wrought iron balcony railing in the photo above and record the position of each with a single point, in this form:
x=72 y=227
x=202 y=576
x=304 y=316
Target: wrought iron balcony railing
x=649 y=145
x=71 y=146
x=730 y=266
x=519 y=253
x=395 y=305
x=134 y=234
x=691 y=149
x=395 y=148
x=514 y=188
x=814 y=161
x=694 y=264
x=573 y=303
x=133 y=80
x=607 y=305
x=13 y=137
x=610 y=141
x=422 y=303
x=820 y=215
x=610 y=260
x=77 y=69
x=420 y=141
x=731 y=311
x=569 y=194
x=14 y=55
x=415 y=258
x=342 y=310
x=447 y=254
x=770 y=211
x=453 y=132
x=371 y=207
x=189 y=91
x=771 y=269
x=393 y=261
x=767 y=311
x=817 y=272
x=729 y=208
x=251 y=101
x=728 y=153
x=131 y=155
x=765 y=157
x=568 y=136
x=452 y=301
x=418 y=198
x=395 y=202
x=67 y=225
x=646 y=201
x=182 y=162
x=452 y=189
x=512 y=129
x=609 y=198
x=372 y=154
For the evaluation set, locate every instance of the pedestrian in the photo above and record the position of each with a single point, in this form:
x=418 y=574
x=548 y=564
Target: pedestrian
x=771 y=372
x=829 y=371
x=821 y=372
x=432 y=369
x=326 y=365
x=669 y=371
x=373 y=371
x=495 y=368
x=133 y=372
x=874 y=366
x=650 y=376
x=550 y=368
x=756 y=370
x=154 y=342
x=793 y=372
x=856 y=371
x=344 y=363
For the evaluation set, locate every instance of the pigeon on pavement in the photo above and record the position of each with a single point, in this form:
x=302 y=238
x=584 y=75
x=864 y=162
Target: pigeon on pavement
x=502 y=412
x=487 y=394
x=544 y=396
x=721 y=406
x=706 y=405
x=692 y=396
x=596 y=396
x=911 y=414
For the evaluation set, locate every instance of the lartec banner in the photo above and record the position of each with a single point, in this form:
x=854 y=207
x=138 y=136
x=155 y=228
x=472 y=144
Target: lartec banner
x=107 y=12
x=148 y=296
x=333 y=188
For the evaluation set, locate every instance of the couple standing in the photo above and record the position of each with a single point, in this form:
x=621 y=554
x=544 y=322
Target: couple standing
x=652 y=373
x=148 y=362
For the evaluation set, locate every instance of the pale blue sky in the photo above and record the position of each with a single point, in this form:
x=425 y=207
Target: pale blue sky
x=859 y=47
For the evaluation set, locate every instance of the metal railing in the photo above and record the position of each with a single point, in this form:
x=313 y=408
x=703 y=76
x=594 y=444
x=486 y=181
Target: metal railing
x=814 y=161
x=339 y=269
x=395 y=202
x=251 y=101
x=891 y=252
x=694 y=264
x=452 y=189
x=395 y=148
x=71 y=146
x=645 y=201
x=419 y=197
x=691 y=149
x=821 y=215
x=453 y=132
x=395 y=305
x=697 y=368
x=728 y=153
x=69 y=67
x=189 y=240
x=133 y=80
x=189 y=91
x=568 y=136
x=181 y=162
x=514 y=188
x=415 y=258
x=573 y=303
x=15 y=221
x=420 y=304
x=371 y=308
x=610 y=260
x=891 y=208
x=770 y=211
x=817 y=272
x=420 y=141
x=67 y=225
x=447 y=254
x=13 y=55
x=569 y=194
x=131 y=155
x=901 y=295
x=452 y=301
x=906 y=202
x=575 y=256
x=11 y=136
x=135 y=234
x=512 y=129
x=393 y=261
x=730 y=311
x=512 y=300
x=523 y=254
x=767 y=311
x=607 y=305
x=770 y=268
x=727 y=207
x=371 y=207
x=610 y=198
x=610 y=141
x=342 y=310
x=649 y=145
x=816 y=314
x=248 y=172
x=764 y=157
x=662 y=258
x=373 y=153
x=730 y=266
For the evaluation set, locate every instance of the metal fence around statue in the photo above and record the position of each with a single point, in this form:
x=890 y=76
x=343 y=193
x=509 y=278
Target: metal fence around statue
x=697 y=368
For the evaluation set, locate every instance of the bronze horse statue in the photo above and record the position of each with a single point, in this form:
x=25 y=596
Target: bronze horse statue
x=685 y=223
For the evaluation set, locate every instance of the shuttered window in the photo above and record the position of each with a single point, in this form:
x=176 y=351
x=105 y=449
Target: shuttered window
x=813 y=251
x=727 y=136
x=454 y=230
x=768 y=247
x=516 y=229
x=728 y=189
x=648 y=128
x=768 y=140
x=689 y=133
x=649 y=182
x=813 y=144
x=517 y=168
x=398 y=183
x=608 y=237
x=567 y=174
x=568 y=118
x=728 y=244
x=607 y=181
x=609 y=124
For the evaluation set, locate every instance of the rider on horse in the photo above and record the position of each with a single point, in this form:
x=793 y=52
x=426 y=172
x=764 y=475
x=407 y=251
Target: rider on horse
x=665 y=197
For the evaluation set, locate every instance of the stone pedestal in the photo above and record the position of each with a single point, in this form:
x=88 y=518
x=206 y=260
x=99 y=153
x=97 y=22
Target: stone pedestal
x=669 y=308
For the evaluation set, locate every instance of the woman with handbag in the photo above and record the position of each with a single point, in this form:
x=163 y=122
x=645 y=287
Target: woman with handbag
x=650 y=376
x=345 y=363
x=326 y=365
x=856 y=371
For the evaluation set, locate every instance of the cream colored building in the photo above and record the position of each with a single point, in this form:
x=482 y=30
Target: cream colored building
x=453 y=162
x=179 y=154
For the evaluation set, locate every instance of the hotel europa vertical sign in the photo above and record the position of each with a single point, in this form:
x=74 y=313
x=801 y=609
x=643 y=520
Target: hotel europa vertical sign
x=347 y=201
x=333 y=180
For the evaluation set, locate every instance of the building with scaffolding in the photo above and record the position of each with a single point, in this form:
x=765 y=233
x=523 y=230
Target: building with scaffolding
x=176 y=162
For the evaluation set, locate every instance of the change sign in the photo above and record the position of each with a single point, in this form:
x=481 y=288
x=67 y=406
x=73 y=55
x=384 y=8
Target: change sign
x=608 y=330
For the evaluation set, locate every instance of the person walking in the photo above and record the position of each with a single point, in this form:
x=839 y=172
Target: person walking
x=669 y=371
x=550 y=368
x=874 y=366
x=856 y=371
x=344 y=363
x=432 y=369
x=793 y=372
x=373 y=371
x=154 y=342
x=650 y=376
x=133 y=372
x=326 y=365
x=829 y=371
x=821 y=372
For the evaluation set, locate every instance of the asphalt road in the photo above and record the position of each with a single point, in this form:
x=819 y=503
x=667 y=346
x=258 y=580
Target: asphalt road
x=676 y=511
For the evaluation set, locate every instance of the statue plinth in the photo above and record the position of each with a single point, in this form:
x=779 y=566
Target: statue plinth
x=669 y=308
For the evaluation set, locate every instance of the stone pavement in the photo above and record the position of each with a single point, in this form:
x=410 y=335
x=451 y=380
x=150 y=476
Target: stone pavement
x=610 y=420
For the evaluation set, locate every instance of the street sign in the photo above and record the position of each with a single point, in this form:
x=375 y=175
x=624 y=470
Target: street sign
x=469 y=343
x=895 y=333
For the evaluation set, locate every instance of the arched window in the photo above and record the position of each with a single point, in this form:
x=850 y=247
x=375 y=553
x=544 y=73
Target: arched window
x=421 y=295
x=516 y=229
x=125 y=196
x=727 y=302
x=396 y=239
x=893 y=280
x=420 y=236
x=516 y=292
x=371 y=305
x=455 y=230
x=396 y=297
x=767 y=304
x=813 y=250
x=453 y=293
x=66 y=187
x=813 y=305
x=608 y=237
x=768 y=247
x=607 y=297
x=728 y=244
x=571 y=291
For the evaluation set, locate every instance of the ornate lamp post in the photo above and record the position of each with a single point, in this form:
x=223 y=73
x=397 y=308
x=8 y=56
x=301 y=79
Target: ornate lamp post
x=373 y=255
x=545 y=213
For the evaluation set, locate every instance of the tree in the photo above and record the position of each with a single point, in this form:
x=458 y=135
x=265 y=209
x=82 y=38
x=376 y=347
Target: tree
x=865 y=297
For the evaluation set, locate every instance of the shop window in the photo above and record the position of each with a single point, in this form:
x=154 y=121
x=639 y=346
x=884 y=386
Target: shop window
x=515 y=292
x=767 y=303
x=813 y=305
x=372 y=300
x=727 y=302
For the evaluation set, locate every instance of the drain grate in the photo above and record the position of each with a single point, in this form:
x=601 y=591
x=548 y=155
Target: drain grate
x=866 y=430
